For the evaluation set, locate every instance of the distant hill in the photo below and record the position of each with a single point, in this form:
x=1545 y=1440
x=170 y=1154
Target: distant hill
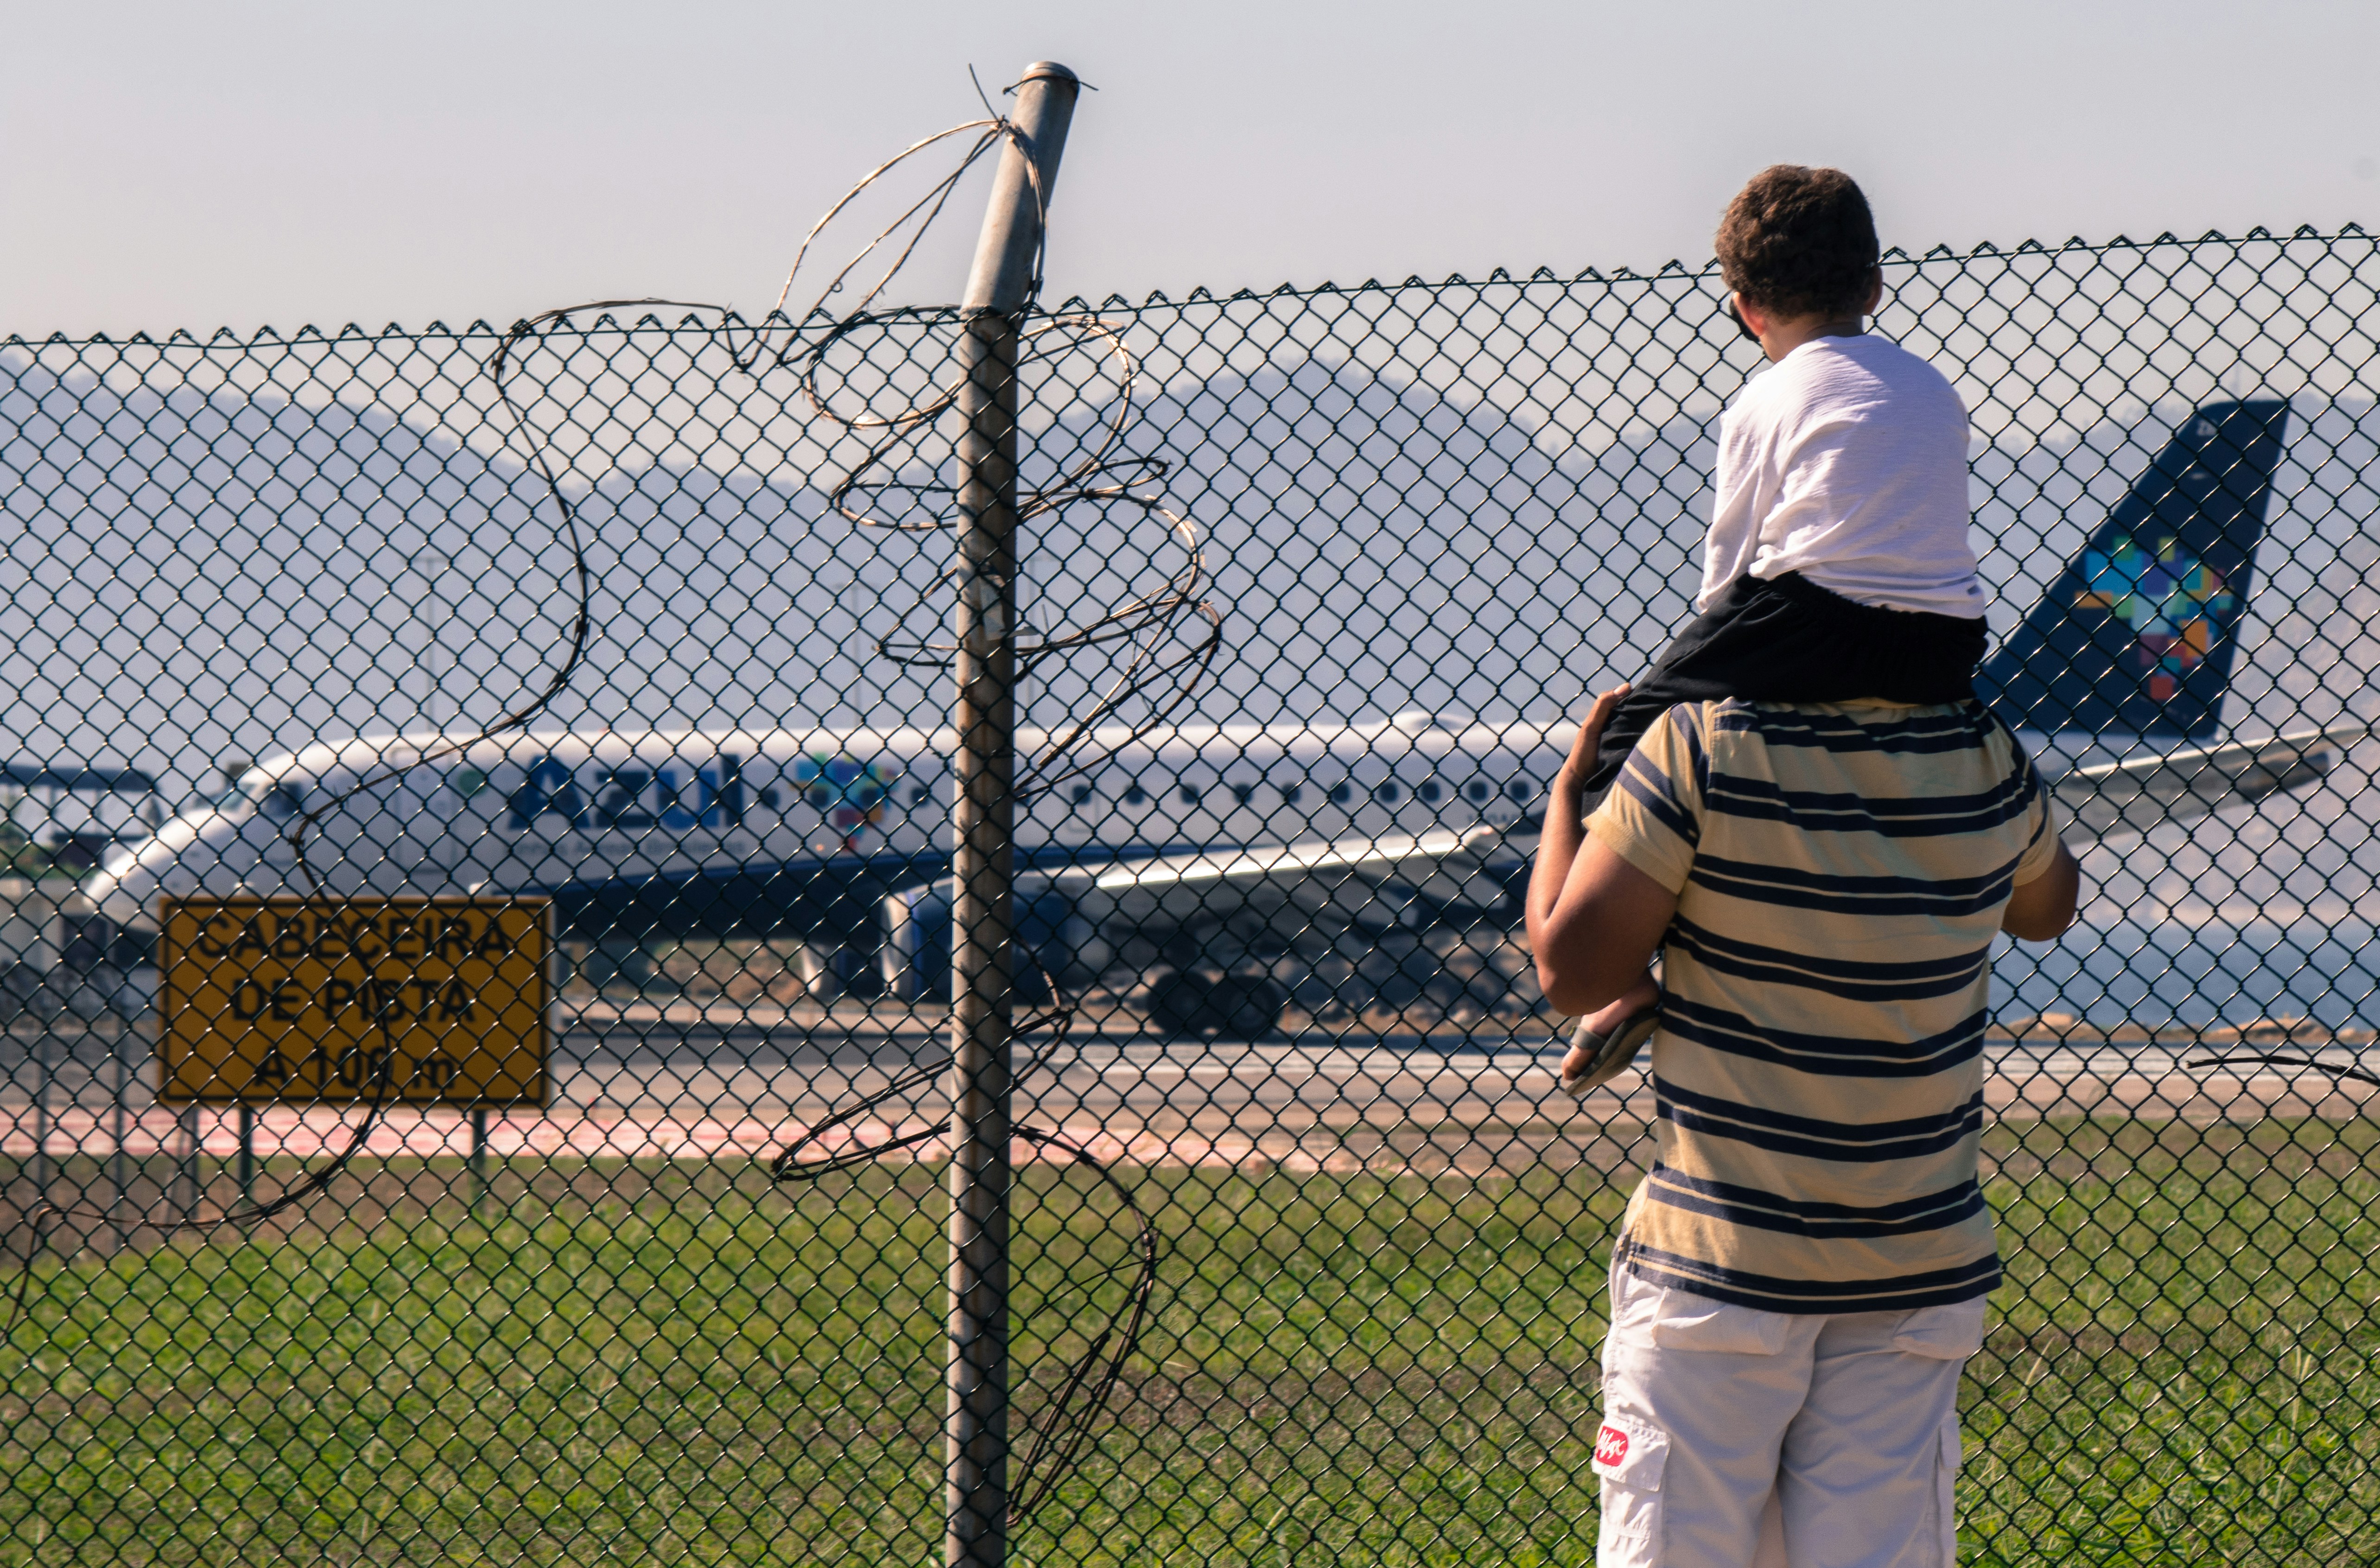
x=193 y=574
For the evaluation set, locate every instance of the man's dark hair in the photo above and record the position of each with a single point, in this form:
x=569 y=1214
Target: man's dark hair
x=1799 y=241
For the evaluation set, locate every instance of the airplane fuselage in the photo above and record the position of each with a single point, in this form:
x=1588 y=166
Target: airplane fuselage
x=793 y=832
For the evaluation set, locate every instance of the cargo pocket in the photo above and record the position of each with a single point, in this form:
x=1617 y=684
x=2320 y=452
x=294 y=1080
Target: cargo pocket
x=1629 y=1456
x=1646 y=1314
x=1685 y=1322
x=1942 y=1333
x=1946 y=1491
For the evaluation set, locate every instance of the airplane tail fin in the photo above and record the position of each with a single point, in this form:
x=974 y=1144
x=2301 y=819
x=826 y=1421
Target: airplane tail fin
x=2136 y=633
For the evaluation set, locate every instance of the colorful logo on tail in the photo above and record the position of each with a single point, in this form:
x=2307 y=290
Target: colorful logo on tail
x=2137 y=633
x=849 y=794
x=2175 y=603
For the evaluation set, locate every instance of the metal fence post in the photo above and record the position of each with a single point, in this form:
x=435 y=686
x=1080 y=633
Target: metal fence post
x=191 y=1180
x=975 y=1424
x=119 y=1050
x=479 y=1157
x=247 y=1123
x=42 y=1073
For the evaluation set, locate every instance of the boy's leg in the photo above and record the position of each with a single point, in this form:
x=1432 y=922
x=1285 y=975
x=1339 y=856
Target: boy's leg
x=1697 y=1398
x=1754 y=634
x=1648 y=698
x=1870 y=1463
x=1788 y=640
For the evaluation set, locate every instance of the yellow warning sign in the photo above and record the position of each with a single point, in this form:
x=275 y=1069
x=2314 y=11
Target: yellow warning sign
x=400 y=1001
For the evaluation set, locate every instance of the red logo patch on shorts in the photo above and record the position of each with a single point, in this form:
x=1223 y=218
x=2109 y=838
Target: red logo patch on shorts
x=1610 y=1446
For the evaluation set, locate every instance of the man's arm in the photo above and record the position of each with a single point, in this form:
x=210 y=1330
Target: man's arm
x=2039 y=911
x=1594 y=920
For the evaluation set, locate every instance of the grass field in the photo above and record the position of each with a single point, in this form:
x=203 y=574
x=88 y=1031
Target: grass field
x=632 y=1365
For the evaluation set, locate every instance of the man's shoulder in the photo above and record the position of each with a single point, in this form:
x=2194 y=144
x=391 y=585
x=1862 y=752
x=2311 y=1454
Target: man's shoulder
x=1860 y=788
x=1928 y=738
x=1928 y=745
x=1873 y=713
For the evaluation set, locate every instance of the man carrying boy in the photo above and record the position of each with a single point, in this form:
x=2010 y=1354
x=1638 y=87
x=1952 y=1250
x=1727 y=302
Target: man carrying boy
x=1837 y=563
x=1822 y=845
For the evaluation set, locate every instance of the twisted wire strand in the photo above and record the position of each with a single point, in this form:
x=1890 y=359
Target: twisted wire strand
x=502 y=368
x=2340 y=1072
x=391 y=768
x=1098 y=478
x=1052 y=1444
x=856 y=482
x=46 y=1211
x=1057 y=1437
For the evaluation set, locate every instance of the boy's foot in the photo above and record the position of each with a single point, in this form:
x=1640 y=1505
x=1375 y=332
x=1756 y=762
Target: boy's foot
x=1607 y=1040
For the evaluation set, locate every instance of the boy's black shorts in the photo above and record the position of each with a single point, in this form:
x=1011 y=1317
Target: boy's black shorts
x=1786 y=640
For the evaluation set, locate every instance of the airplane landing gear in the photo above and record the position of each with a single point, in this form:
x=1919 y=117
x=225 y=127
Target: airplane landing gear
x=1212 y=1005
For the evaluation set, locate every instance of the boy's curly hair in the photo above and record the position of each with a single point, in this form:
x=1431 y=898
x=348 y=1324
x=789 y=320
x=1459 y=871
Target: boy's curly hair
x=1799 y=241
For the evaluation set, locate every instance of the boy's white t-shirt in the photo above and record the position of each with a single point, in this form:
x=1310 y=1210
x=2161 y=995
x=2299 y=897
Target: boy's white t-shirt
x=1847 y=463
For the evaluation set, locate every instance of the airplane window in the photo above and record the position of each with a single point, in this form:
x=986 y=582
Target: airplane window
x=1518 y=789
x=1082 y=794
x=1386 y=792
x=1340 y=794
x=1428 y=792
x=1190 y=793
x=1243 y=793
x=1291 y=793
x=1134 y=795
x=768 y=796
x=1478 y=790
x=916 y=795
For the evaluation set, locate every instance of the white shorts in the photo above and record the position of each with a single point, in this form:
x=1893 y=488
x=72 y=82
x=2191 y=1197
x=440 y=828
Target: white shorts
x=1734 y=1438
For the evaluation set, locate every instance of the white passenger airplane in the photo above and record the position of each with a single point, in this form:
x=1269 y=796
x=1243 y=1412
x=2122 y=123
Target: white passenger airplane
x=1207 y=843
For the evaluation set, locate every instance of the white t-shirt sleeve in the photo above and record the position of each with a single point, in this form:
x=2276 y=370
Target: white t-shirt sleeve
x=1848 y=464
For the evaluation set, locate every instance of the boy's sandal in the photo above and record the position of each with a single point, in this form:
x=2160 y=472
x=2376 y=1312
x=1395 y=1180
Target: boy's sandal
x=1608 y=1054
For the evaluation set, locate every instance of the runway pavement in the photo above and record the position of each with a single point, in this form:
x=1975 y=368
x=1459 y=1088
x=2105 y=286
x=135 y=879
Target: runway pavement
x=684 y=1080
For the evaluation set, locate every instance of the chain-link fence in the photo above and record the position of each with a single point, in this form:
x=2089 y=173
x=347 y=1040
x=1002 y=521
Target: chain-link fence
x=1279 y=1030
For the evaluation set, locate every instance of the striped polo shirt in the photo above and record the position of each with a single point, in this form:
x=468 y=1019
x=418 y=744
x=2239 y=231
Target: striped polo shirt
x=1841 y=871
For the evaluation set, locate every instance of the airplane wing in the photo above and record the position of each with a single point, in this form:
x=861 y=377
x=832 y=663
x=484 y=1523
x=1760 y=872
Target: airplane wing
x=1082 y=920
x=2136 y=795
x=1448 y=869
x=1451 y=869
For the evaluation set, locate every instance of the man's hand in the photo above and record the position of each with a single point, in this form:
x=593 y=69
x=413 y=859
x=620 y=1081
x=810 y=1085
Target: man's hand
x=1585 y=749
x=1594 y=920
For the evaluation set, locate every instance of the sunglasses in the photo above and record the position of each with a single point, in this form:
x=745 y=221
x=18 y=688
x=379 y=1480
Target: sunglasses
x=1737 y=316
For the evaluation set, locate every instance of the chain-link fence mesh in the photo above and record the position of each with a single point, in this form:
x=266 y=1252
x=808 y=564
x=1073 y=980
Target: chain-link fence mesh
x=263 y=594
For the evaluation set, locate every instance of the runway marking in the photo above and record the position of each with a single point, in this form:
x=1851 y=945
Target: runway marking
x=1284 y=1103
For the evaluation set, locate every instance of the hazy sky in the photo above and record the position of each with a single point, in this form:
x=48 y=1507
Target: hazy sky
x=242 y=161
